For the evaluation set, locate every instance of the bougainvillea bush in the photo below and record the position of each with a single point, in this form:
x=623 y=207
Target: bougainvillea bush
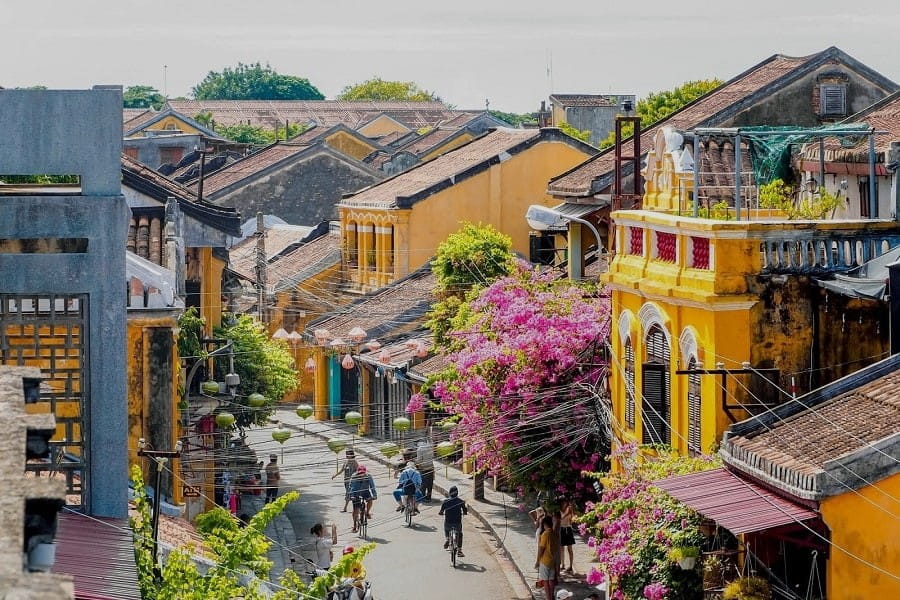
x=525 y=378
x=635 y=525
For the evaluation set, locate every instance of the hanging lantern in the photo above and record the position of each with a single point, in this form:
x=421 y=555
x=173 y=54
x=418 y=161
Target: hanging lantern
x=353 y=418
x=295 y=338
x=445 y=449
x=411 y=343
x=337 y=343
x=389 y=449
x=348 y=362
x=357 y=334
x=256 y=400
x=336 y=445
x=401 y=424
x=448 y=425
x=225 y=420
x=322 y=335
x=373 y=345
x=281 y=334
x=310 y=365
x=281 y=434
x=209 y=387
x=422 y=350
x=384 y=356
x=304 y=411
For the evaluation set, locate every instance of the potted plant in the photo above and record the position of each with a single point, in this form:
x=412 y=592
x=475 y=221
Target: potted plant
x=713 y=571
x=685 y=556
x=748 y=588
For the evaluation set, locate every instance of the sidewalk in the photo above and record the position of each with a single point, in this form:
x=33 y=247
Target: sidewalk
x=512 y=528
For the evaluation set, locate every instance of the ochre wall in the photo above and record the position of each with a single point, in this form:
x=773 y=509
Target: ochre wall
x=382 y=125
x=864 y=524
x=177 y=123
x=349 y=145
x=447 y=147
x=211 y=269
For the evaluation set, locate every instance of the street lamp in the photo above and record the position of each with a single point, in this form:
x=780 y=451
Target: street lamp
x=542 y=218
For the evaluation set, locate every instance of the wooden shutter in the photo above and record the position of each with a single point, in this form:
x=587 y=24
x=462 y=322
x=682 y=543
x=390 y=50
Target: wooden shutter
x=629 y=384
x=693 y=404
x=833 y=99
x=653 y=406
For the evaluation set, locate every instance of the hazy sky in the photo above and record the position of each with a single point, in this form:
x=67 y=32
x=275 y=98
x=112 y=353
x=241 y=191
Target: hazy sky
x=465 y=50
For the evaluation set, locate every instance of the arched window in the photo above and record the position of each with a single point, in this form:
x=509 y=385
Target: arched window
x=693 y=409
x=629 y=384
x=655 y=388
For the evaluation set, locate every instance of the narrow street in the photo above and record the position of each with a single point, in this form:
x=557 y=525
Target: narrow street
x=397 y=568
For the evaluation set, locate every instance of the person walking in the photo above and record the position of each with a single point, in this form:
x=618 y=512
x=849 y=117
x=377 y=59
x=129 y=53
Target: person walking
x=545 y=562
x=425 y=464
x=566 y=536
x=273 y=476
x=349 y=468
x=323 y=545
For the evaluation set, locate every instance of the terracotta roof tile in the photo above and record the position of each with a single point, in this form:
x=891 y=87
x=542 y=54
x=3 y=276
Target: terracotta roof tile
x=400 y=352
x=242 y=256
x=131 y=117
x=422 y=177
x=882 y=116
x=578 y=180
x=431 y=366
x=429 y=140
x=249 y=166
x=137 y=168
x=305 y=261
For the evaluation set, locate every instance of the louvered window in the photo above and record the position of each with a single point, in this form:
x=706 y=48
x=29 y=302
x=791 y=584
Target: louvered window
x=655 y=389
x=693 y=406
x=833 y=100
x=629 y=384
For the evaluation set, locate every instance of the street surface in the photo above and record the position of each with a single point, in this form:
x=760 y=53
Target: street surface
x=408 y=563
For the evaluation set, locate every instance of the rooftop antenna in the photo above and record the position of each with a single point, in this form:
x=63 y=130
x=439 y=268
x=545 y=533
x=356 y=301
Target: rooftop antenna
x=166 y=81
x=550 y=68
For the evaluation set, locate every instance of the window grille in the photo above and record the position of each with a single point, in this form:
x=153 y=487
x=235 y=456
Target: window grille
x=833 y=100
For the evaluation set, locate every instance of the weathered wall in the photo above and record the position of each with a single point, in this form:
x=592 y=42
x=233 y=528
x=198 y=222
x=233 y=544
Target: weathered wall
x=599 y=120
x=302 y=193
x=148 y=148
x=863 y=524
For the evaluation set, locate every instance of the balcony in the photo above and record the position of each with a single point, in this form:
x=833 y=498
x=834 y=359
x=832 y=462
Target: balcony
x=669 y=254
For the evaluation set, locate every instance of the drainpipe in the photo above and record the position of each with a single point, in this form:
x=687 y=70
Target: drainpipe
x=894 y=301
x=893 y=160
x=737 y=177
x=873 y=203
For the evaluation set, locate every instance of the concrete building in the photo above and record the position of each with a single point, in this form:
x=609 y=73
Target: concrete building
x=590 y=112
x=62 y=308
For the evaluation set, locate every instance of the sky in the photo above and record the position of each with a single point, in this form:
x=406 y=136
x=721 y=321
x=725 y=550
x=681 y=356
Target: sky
x=513 y=53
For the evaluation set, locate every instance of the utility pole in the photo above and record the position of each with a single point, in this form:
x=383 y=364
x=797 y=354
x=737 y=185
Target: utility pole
x=160 y=457
x=260 y=265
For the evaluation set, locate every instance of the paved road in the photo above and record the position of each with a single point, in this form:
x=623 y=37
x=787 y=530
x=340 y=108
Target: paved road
x=408 y=564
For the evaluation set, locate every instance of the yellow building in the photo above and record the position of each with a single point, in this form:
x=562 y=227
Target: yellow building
x=394 y=227
x=706 y=312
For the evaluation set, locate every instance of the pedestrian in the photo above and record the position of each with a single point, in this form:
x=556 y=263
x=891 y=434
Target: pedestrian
x=349 y=468
x=537 y=515
x=566 y=535
x=425 y=463
x=323 y=545
x=545 y=562
x=273 y=476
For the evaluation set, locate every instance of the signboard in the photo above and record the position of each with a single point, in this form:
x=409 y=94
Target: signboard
x=190 y=491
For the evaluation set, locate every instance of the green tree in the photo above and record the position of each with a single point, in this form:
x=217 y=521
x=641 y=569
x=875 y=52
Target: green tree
x=379 y=89
x=516 y=119
x=254 y=82
x=658 y=105
x=260 y=136
x=142 y=96
x=815 y=206
x=467 y=260
x=578 y=134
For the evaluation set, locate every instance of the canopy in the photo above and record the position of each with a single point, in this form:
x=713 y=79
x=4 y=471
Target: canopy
x=869 y=280
x=735 y=503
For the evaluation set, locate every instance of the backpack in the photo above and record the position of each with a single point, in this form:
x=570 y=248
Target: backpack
x=409 y=488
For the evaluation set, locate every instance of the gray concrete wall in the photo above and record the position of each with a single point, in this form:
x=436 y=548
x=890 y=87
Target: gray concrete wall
x=76 y=132
x=599 y=120
x=148 y=148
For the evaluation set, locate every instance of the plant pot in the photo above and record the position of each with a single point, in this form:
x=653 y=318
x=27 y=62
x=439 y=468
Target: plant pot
x=687 y=563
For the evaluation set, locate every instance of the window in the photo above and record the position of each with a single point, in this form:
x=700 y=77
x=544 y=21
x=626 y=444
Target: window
x=629 y=384
x=655 y=389
x=832 y=100
x=693 y=406
x=170 y=155
x=865 y=211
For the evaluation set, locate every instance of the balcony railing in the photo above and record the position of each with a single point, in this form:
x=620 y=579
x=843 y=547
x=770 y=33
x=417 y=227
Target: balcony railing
x=816 y=253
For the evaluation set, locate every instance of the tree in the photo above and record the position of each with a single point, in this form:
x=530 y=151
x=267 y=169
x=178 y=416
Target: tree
x=579 y=134
x=524 y=381
x=254 y=82
x=474 y=256
x=379 y=89
x=516 y=119
x=260 y=136
x=142 y=96
x=658 y=105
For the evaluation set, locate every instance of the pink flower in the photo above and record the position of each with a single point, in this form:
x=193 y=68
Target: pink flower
x=595 y=577
x=416 y=403
x=655 y=591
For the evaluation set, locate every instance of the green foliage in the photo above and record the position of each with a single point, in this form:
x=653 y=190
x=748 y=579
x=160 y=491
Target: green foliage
x=578 y=134
x=718 y=211
x=474 y=256
x=204 y=118
x=379 y=89
x=747 y=588
x=39 y=179
x=254 y=82
x=142 y=526
x=260 y=136
x=142 y=96
x=264 y=364
x=516 y=119
x=778 y=195
x=190 y=330
x=658 y=105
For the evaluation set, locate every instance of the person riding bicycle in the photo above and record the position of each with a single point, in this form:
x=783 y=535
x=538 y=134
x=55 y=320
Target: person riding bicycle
x=409 y=486
x=453 y=508
x=361 y=488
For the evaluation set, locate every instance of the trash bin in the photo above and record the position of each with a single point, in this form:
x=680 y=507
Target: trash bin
x=478 y=486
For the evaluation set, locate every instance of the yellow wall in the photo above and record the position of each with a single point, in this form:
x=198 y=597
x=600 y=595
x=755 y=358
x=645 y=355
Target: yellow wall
x=860 y=527
x=172 y=121
x=382 y=125
x=349 y=145
x=557 y=115
x=449 y=145
x=211 y=269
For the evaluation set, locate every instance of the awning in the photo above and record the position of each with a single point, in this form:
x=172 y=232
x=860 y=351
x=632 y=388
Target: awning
x=869 y=280
x=733 y=502
x=579 y=210
x=99 y=554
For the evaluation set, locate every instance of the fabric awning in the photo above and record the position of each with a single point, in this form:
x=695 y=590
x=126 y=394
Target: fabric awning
x=738 y=505
x=579 y=210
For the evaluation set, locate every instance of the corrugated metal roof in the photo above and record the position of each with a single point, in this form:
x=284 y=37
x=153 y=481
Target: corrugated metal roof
x=99 y=554
x=733 y=502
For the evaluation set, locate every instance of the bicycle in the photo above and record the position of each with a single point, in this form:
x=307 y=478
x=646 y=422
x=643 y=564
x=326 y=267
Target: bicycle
x=408 y=509
x=363 y=522
x=454 y=545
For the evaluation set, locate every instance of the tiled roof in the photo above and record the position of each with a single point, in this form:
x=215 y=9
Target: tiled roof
x=430 y=366
x=817 y=444
x=585 y=99
x=173 y=189
x=377 y=159
x=578 y=181
x=429 y=140
x=882 y=116
x=309 y=136
x=444 y=169
x=249 y=166
x=395 y=309
x=242 y=256
x=391 y=137
x=132 y=117
x=716 y=171
x=399 y=352
x=305 y=261
x=322 y=112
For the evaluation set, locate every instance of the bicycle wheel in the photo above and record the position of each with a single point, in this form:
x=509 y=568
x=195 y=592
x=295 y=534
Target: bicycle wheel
x=363 y=524
x=408 y=511
x=454 y=547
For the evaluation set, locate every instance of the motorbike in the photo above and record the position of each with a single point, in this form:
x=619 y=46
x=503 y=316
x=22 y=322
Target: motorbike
x=351 y=589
